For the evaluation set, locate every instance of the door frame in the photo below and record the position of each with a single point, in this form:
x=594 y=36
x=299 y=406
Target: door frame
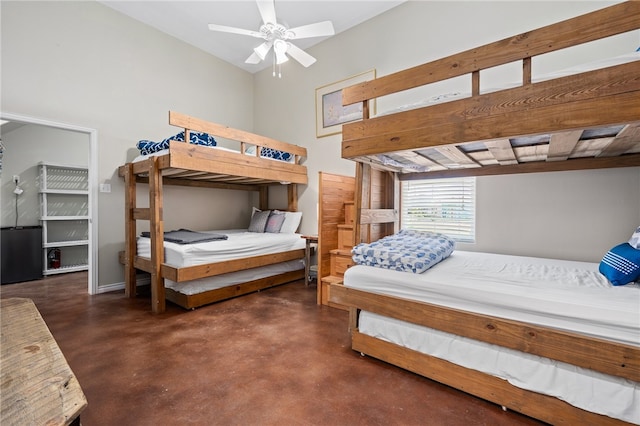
x=92 y=285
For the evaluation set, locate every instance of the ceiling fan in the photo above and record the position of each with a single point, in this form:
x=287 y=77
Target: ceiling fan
x=278 y=36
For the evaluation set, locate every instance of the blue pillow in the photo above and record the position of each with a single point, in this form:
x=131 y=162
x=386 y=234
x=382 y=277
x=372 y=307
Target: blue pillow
x=275 y=154
x=149 y=147
x=621 y=264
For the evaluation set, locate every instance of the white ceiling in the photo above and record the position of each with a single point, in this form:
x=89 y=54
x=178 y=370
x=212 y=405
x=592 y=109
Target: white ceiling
x=187 y=21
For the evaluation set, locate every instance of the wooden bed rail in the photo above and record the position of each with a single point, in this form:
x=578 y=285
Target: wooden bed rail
x=212 y=269
x=612 y=358
x=195 y=124
x=600 y=24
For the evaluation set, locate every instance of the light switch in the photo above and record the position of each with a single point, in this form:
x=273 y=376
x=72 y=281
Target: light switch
x=105 y=187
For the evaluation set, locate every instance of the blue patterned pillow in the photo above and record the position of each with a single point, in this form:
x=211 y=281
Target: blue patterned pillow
x=270 y=153
x=621 y=264
x=275 y=154
x=149 y=147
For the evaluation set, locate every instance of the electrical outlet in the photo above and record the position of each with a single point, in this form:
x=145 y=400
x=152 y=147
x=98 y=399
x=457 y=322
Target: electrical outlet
x=16 y=179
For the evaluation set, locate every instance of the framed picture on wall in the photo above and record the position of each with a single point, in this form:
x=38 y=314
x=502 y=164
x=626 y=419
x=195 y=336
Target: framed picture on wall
x=330 y=114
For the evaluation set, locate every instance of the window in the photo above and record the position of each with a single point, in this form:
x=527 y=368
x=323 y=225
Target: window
x=447 y=206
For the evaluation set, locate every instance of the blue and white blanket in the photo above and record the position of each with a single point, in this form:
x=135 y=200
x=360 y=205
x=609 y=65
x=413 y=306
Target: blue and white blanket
x=149 y=147
x=407 y=251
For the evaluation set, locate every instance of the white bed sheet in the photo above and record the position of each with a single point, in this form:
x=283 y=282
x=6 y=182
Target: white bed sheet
x=224 y=280
x=240 y=244
x=565 y=295
x=519 y=288
x=595 y=392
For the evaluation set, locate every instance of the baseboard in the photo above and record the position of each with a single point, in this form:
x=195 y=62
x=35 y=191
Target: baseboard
x=140 y=281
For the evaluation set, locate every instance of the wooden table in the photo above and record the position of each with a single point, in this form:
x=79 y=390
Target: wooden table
x=310 y=239
x=37 y=385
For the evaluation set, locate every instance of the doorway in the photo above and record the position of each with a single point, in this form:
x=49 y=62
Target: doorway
x=13 y=123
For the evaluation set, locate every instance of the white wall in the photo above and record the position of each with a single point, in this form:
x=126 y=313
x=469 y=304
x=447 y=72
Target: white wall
x=25 y=147
x=420 y=31
x=565 y=215
x=85 y=64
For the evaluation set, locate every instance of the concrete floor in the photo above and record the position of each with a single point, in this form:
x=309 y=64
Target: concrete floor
x=269 y=358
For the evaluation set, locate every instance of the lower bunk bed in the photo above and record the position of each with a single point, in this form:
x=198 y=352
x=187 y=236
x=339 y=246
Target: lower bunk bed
x=195 y=275
x=201 y=273
x=551 y=339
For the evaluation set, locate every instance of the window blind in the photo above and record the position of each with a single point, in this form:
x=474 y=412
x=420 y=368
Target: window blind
x=447 y=206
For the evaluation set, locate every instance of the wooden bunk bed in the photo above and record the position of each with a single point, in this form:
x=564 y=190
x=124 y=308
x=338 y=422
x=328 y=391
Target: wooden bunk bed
x=477 y=136
x=187 y=164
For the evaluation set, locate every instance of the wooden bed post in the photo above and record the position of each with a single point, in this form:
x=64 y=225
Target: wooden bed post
x=130 y=231
x=263 y=194
x=292 y=197
x=156 y=229
x=393 y=201
x=363 y=178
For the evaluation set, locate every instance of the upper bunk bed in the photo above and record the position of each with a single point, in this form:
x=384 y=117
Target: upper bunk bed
x=195 y=165
x=588 y=117
x=251 y=167
x=587 y=120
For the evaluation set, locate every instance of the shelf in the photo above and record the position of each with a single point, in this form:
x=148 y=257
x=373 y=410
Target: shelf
x=65 y=191
x=65 y=269
x=66 y=243
x=65 y=217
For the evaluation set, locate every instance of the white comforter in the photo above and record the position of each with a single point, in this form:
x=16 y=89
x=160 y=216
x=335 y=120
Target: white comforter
x=565 y=295
x=240 y=244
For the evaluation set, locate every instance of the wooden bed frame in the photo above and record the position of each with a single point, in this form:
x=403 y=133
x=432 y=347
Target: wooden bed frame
x=192 y=165
x=559 y=108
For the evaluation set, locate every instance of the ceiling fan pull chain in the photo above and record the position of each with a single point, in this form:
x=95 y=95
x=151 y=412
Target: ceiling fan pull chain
x=274 y=65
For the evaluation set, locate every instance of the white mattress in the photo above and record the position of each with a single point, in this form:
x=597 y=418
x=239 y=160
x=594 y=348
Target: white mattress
x=240 y=244
x=519 y=288
x=566 y=295
x=219 y=281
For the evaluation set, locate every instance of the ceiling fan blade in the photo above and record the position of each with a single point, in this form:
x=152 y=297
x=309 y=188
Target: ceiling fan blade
x=300 y=55
x=225 y=29
x=319 y=29
x=253 y=59
x=267 y=11
x=263 y=49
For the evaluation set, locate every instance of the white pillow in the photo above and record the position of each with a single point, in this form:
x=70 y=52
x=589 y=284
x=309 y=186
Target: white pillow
x=291 y=222
x=634 y=241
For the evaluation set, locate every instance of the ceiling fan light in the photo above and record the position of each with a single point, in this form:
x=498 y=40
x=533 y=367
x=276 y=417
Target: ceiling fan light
x=262 y=50
x=280 y=47
x=281 y=58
